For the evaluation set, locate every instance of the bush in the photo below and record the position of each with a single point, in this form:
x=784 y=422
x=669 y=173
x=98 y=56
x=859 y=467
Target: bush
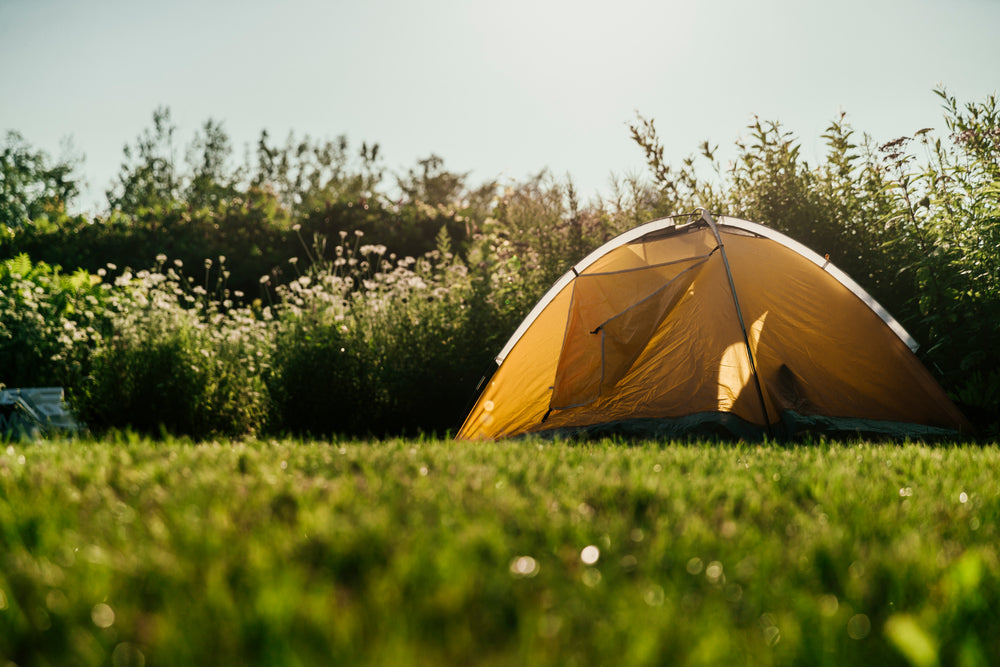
x=372 y=344
x=946 y=229
x=50 y=324
x=253 y=233
x=177 y=360
x=321 y=380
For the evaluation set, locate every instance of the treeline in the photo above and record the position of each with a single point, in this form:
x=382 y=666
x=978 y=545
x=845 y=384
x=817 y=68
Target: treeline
x=306 y=289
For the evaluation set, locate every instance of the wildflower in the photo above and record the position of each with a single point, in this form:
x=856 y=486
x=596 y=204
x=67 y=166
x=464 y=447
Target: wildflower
x=178 y=263
x=264 y=279
x=343 y=234
x=358 y=233
x=161 y=258
x=293 y=260
x=208 y=263
x=296 y=227
x=222 y=259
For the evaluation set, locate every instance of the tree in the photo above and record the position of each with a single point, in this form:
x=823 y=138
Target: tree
x=212 y=180
x=148 y=177
x=432 y=184
x=308 y=175
x=30 y=186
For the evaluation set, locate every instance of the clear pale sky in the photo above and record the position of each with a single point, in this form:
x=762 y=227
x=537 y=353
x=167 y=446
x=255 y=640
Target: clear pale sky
x=501 y=89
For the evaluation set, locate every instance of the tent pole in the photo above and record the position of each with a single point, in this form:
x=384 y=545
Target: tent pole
x=707 y=217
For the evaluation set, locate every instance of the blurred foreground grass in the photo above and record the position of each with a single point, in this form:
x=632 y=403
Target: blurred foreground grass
x=134 y=552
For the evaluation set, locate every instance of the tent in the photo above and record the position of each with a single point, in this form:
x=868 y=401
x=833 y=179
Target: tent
x=695 y=325
x=31 y=412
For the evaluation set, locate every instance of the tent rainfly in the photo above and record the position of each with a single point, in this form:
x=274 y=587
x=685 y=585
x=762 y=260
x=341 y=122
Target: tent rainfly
x=713 y=327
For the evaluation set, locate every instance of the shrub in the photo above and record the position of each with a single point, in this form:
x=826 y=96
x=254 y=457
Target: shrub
x=946 y=229
x=252 y=232
x=321 y=380
x=49 y=323
x=177 y=360
x=369 y=343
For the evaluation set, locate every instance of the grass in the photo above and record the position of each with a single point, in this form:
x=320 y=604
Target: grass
x=132 y=552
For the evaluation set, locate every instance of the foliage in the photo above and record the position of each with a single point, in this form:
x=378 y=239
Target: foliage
x=31 y=188
x=49 y=323
x=246 y=212
x=148 y=177
x=362 y=342
x=250 y=232
x=544 y=229
x=308 y=175
x=530 y=552
x=372 y=343
x=678 y=190
x=212 y=180
x=405 y=229
x=947 y=223
x=176 y=359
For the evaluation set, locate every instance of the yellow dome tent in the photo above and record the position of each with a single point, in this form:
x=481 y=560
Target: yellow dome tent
x=691 y=324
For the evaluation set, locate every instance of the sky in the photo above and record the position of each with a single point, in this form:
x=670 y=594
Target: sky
x=498 y=89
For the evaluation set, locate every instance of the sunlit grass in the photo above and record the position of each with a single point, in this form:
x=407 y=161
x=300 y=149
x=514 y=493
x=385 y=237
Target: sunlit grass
x=530 y=552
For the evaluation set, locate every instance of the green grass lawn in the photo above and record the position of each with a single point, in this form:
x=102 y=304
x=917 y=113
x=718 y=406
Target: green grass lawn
x=136 y=552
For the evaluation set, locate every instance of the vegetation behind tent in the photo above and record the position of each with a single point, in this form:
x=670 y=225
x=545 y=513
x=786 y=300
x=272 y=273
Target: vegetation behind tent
x=230 y=296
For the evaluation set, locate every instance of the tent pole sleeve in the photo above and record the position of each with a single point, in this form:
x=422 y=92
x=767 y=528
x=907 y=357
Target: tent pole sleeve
x=707 y=217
